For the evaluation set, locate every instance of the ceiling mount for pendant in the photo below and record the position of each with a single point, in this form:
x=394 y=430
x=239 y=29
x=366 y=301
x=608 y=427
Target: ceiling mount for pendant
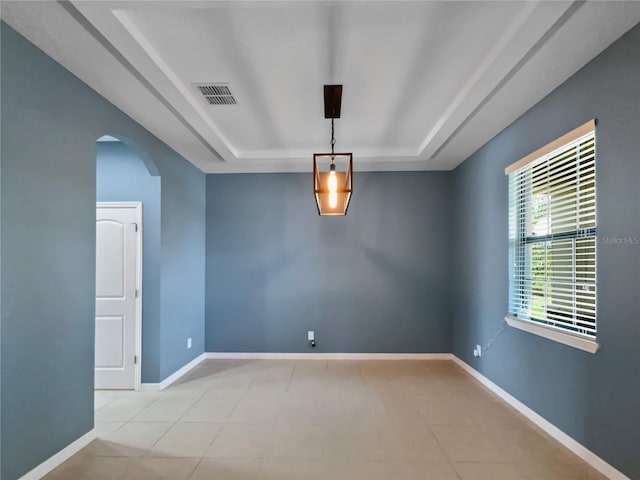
x=332 y=172
x=332 y=101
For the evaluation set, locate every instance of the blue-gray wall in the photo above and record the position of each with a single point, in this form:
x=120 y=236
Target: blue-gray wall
x=121 y=175
x=48 y=188
x=376 y=280
x=593 y=398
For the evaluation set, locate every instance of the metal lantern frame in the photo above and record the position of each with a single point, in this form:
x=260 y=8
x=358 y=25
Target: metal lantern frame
x=344 y=180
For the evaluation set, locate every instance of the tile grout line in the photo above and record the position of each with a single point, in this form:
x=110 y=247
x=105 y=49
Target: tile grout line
x=123 y=423
x=172 y=426
x=194 y=468
x=451 y=462
x=105 y=405
x=293 y=371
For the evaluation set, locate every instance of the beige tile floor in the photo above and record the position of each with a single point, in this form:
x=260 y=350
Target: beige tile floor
x=391 y=420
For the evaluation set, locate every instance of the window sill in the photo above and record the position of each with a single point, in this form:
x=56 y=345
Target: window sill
x=575 y=341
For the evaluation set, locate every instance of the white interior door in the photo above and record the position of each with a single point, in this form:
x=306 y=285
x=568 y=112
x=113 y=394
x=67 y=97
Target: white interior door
x=116 y=291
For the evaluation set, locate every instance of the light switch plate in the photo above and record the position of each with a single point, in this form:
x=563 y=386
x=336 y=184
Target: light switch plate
x=310 y=335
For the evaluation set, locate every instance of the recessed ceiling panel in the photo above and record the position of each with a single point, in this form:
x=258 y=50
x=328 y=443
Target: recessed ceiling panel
x=425 y=83
x=400 y=64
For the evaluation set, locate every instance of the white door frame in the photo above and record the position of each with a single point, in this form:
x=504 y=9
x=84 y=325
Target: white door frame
x=138 y=315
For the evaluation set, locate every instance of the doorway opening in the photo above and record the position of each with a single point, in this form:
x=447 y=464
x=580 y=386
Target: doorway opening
x=127 y=244
x=118 y=295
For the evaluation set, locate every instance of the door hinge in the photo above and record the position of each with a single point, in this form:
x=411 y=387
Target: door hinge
x=135 y=225
x=135 y=359
x=137 y=293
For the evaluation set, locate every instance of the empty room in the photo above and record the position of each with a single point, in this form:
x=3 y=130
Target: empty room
x=319 y=240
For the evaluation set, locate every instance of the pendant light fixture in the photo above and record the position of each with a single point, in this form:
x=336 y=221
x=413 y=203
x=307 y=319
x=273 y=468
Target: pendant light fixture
x=332 y=172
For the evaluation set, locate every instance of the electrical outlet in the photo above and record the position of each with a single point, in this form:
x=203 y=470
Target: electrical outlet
x=311 y=335
x=189 y=342
x=477 y=352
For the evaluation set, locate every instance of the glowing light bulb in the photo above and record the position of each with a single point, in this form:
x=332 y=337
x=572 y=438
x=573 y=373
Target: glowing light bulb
x=333 y=187
x=333 y=181
x=333 y=199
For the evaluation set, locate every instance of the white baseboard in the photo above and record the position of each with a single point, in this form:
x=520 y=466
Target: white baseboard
x=580 y=450
x=60 y=457
x=149 y=387
x=325 y=356
x=175 y=376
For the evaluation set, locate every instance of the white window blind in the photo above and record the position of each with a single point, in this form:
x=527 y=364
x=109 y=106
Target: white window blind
x=552 y=238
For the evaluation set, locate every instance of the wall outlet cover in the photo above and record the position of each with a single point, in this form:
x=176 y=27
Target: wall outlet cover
x=189 y=342
x=311 y=335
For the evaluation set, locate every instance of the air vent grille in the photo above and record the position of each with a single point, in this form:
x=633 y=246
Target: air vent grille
x=216 y=93
x=221 y=100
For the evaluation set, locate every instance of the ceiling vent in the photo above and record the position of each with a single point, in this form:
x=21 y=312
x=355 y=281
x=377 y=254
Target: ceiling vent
x=216 y=93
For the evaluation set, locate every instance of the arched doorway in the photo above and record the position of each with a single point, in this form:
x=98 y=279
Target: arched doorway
x=128 y=215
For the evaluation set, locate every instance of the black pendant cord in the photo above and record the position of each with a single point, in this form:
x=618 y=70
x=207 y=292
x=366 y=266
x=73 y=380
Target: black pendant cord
x=333 y=141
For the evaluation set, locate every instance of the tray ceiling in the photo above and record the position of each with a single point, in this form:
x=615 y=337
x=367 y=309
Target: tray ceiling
x=425 y=83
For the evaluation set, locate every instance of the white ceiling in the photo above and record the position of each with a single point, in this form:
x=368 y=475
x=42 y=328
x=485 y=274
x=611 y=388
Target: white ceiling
x=425 y=83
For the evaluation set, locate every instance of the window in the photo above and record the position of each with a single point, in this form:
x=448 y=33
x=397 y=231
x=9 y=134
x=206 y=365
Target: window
x=552 y=240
